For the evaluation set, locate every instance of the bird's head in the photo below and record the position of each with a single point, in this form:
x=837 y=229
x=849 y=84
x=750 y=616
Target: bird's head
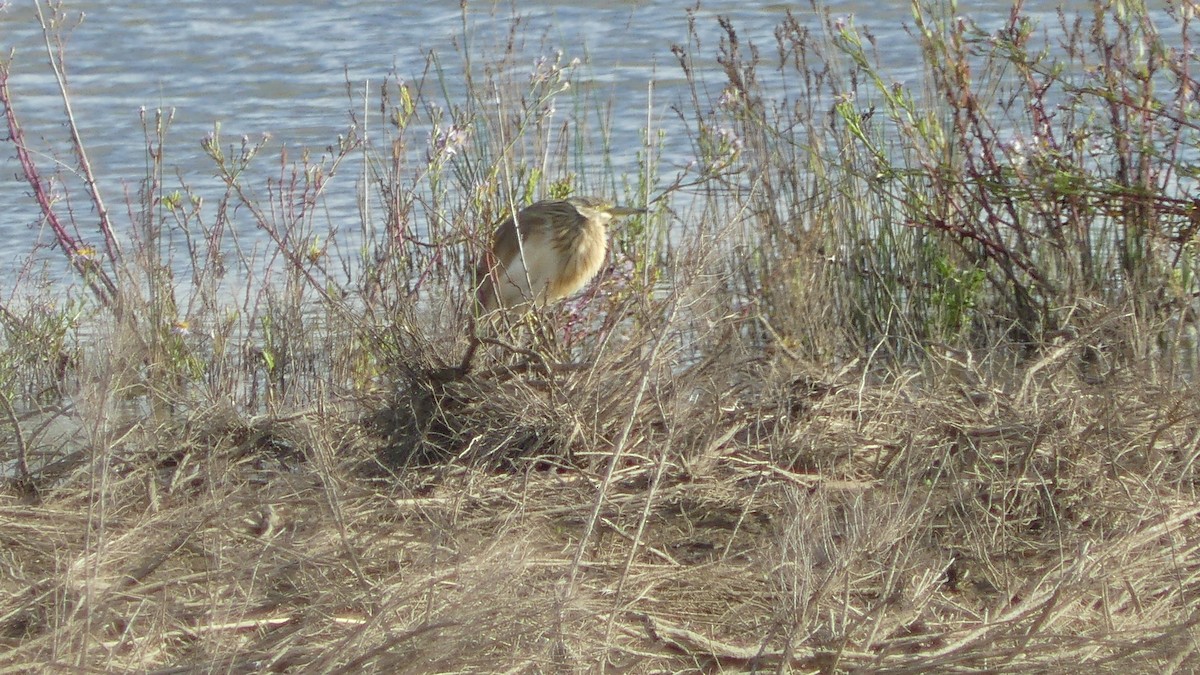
x=596 y=209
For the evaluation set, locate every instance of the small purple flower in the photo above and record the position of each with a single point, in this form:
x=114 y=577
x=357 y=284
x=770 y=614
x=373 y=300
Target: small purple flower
x=446 y=143
x=546 y=69
x=730 y=139
x=729 y=98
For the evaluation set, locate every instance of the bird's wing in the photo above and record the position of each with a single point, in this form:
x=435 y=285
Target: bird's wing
x=505 y=264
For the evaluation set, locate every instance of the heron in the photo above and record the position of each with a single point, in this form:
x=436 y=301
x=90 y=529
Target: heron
x=547 y=252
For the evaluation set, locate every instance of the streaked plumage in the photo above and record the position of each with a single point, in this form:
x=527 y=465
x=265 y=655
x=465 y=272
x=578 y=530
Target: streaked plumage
x=562 y=245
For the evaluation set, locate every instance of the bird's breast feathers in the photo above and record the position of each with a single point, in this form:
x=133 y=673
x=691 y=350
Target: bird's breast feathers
x=545 y=272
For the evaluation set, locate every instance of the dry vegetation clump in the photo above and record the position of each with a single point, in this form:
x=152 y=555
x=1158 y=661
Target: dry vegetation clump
x=870 y=388
x=900 y=525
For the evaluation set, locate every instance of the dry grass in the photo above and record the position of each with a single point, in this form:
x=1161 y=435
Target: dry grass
x=816 y=521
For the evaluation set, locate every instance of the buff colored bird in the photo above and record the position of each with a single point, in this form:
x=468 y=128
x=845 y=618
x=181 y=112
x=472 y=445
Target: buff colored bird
x=549 y=251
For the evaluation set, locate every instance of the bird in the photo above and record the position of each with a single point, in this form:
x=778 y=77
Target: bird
x=547 y=252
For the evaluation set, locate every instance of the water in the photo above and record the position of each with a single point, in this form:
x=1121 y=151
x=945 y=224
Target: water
x=274 y=67
x=280 y=67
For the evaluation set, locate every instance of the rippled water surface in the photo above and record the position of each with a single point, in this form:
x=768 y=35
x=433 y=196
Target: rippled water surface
x=281 y=67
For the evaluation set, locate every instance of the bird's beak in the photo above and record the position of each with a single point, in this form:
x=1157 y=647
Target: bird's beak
x=622 y=211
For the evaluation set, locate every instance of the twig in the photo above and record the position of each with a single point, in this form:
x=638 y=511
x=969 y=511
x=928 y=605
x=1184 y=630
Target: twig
x=93 y=275
x=618 y=450
x=85 y=166
x=23 y=474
